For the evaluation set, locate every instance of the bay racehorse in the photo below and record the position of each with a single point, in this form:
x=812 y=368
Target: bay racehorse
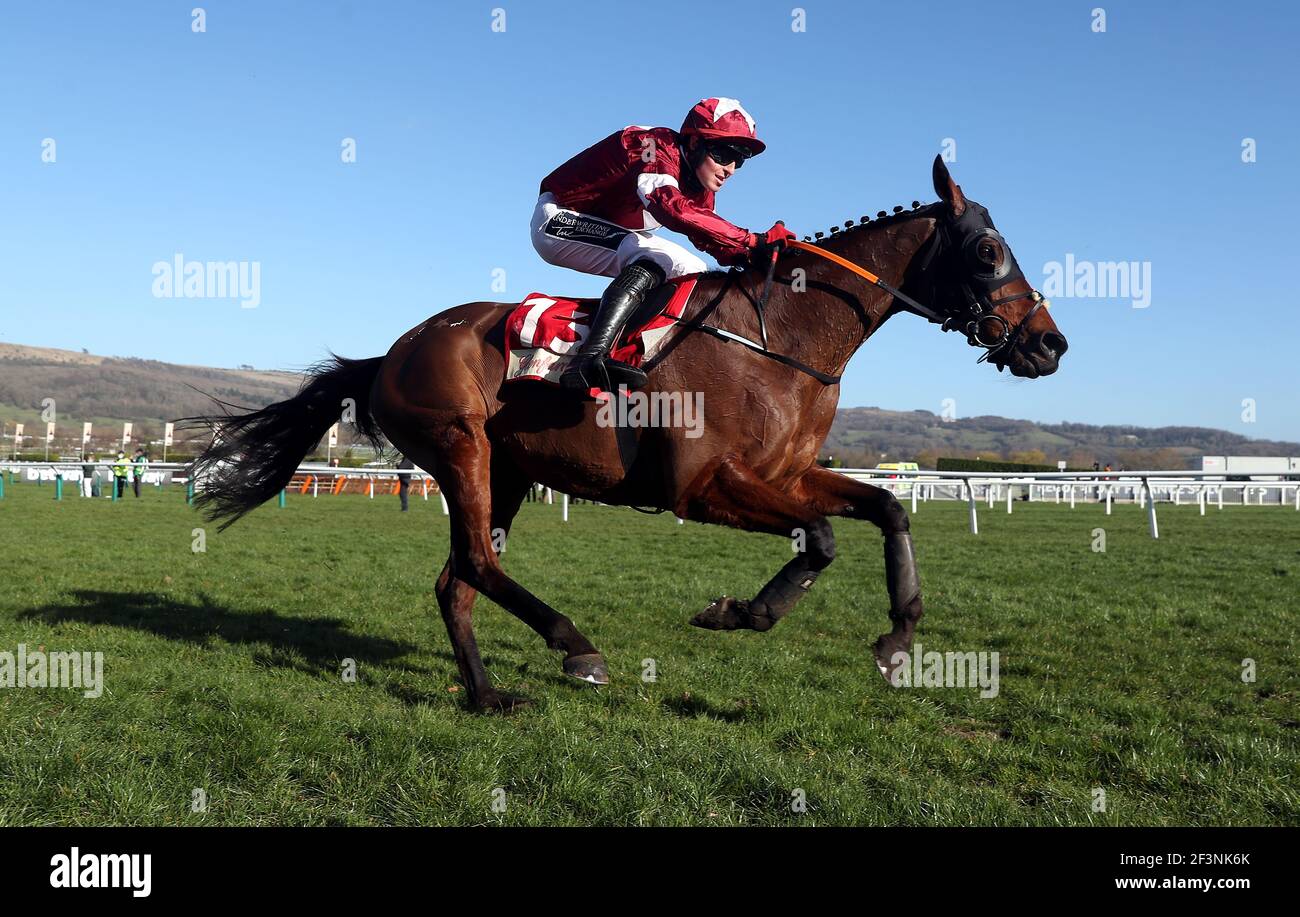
x=767 y=355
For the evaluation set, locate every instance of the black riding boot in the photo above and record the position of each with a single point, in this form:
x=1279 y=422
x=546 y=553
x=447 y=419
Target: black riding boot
x=591 y=366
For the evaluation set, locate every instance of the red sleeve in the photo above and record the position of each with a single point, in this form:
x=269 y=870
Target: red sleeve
x=658 y=186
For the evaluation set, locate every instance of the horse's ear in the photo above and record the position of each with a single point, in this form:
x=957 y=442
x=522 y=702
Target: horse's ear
x=948 y=190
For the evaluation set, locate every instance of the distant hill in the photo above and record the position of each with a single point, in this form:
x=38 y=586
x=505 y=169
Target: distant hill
x=860 y=435
x=109 y=390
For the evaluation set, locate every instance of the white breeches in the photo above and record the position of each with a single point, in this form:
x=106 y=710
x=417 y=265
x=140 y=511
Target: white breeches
x=595 y=246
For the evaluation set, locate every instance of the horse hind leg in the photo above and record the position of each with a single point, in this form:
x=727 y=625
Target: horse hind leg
x=456 y=602
x=472 y=484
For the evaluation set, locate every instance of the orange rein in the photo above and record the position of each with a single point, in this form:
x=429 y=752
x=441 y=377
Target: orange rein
x=923 y=311
x=831 y=256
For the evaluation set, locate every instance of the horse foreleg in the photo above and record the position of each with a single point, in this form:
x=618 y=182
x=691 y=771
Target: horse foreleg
x=838 y=495
x=735 y=496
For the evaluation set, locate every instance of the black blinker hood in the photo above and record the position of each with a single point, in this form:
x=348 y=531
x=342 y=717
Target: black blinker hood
x=964 y=233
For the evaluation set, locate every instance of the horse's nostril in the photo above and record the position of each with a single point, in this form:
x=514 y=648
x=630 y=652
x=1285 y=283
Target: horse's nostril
x=1053 y=343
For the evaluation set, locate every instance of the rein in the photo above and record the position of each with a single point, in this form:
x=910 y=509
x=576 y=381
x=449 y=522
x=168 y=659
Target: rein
x=969 y=319
x=924 y=311
x=975 y=311
x=761 y=349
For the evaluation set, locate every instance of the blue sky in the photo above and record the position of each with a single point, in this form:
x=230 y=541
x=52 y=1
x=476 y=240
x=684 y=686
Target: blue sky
x=1124 y=145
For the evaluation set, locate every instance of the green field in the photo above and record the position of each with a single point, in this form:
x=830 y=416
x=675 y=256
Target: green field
x=1120 y=671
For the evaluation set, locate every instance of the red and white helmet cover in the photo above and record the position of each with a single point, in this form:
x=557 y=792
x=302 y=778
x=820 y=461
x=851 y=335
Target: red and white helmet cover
x=722 y=118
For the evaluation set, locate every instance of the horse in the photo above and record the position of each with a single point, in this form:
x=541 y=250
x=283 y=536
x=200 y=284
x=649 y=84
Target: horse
x=769 y=364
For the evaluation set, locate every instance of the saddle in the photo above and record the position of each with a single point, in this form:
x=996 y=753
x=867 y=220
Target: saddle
x=543 y=332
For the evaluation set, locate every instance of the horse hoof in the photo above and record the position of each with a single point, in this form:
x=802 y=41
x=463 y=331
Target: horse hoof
x=724 y=613
x=589 y=667
x=885 y=663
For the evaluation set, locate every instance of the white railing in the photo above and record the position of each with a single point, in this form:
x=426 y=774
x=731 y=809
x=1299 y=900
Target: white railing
x=1144 y=488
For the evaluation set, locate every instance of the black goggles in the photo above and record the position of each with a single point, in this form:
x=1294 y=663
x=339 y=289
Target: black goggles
x=724 y=154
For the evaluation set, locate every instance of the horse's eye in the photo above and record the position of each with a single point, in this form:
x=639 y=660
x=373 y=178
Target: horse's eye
x=988 y=252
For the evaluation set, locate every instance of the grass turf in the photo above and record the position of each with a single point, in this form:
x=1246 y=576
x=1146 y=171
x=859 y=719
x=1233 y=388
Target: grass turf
x=1120 y=671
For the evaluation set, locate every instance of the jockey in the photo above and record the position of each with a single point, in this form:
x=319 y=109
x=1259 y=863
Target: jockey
x=597 y=210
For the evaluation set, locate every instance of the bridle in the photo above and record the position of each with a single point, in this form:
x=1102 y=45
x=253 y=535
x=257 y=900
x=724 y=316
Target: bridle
x=976 y=316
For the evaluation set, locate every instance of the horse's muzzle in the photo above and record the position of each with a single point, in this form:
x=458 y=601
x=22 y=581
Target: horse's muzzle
x=1040 y=355
x=1049 y=347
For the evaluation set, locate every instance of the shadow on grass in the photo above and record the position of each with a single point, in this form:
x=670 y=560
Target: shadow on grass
x=314 y=645
x=694 y=707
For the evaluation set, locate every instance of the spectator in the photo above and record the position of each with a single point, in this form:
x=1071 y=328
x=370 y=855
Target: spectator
x=120 y=470
x=88 y=476
x=404 y=481
x=138 y=465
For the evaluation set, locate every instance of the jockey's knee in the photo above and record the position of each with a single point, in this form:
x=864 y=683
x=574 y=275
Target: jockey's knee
x=672 y=259
x=658 y=259
x=688 y=264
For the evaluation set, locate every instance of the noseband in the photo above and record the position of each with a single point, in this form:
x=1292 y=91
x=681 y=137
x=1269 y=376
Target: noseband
x=978 y=312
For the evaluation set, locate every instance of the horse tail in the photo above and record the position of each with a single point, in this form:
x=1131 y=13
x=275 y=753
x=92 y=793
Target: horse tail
x=253 y=455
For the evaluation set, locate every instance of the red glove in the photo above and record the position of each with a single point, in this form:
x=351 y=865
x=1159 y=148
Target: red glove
x=762 y=246
x=778 y=234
